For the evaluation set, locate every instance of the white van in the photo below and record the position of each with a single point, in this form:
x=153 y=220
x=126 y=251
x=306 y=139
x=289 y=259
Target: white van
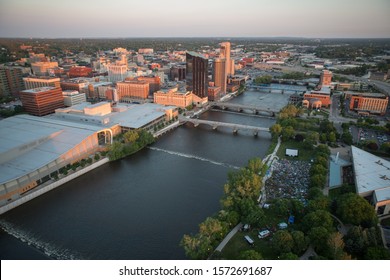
x=264 y=233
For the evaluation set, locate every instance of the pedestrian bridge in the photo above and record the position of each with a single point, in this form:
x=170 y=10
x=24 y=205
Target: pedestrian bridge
x=235 y=127
x=241 y=107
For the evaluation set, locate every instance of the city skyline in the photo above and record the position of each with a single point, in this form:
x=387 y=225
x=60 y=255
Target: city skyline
x=173 y=18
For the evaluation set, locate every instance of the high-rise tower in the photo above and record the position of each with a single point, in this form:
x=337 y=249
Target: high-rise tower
x=225 y=53
x=220 y=74
x=197 y=74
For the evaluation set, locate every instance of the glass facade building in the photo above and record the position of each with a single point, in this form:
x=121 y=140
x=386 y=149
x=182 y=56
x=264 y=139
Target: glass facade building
x=197 y=74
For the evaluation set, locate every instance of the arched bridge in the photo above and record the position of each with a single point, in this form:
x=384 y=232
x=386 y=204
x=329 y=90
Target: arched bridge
x=240 y=107
x=235 y=127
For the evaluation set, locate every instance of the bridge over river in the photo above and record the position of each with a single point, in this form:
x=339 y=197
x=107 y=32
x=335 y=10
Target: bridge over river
x=235 y=127
x=241 y=107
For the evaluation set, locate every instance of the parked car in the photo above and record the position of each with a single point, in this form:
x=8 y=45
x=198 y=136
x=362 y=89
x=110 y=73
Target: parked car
x=264 y=233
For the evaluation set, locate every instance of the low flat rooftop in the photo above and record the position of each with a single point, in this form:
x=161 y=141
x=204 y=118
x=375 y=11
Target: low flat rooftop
x=371 y=172
x=27 y=143
x=38 y=90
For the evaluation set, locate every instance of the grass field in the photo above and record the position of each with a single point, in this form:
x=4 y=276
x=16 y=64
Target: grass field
x=303 y=152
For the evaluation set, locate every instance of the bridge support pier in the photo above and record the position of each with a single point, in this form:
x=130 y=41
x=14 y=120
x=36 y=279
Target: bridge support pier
x=196 y=124
x=255 y=133
x=235 y=130
x=215 y=127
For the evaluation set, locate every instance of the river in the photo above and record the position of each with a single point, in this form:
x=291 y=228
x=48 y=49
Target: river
x=139 y=207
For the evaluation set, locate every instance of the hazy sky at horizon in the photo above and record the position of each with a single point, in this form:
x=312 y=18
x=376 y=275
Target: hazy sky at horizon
x=195 y=18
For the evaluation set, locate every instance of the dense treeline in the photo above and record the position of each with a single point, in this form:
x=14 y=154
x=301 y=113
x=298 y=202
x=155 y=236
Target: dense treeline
x=128 y=143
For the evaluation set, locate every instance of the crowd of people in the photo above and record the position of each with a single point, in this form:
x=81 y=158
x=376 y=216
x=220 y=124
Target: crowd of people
x=290 y=179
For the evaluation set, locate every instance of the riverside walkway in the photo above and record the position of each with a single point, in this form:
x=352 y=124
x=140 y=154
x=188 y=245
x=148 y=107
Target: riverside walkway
x=230 y=235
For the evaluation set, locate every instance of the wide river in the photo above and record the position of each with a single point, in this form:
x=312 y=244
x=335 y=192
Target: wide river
x=141 y=206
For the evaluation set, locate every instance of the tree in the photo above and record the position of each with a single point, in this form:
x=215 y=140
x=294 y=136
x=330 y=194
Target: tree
x=332 y=137
x=289 y=256
x=267 y=79
x=377 y=253
x=319 y=203
x=323 y=137
x=276 y=130
x=318 y=218
x=281 y=207
x=347 y=138
x=115 y=151
x=353 y=209
x=250 y=255
x=317 y=236
x=287 y=133
x=196 y=247
x=282 y=242
x=300 y=242
x=255 y=165
x=311 y=139
x=212 y=229
x=335 y=245
x=317 y=181
x=318 y=169
x=255 y=217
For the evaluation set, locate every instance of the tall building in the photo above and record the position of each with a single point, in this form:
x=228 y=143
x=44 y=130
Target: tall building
x=117 y=73
x=178 y=72
x=43 y=68
x=220 y=74
x=197 y=74
x=225 y=53
x=132 y=90
x=11 y=81
x=42 y=101
x=36 y=82
x=325 y=78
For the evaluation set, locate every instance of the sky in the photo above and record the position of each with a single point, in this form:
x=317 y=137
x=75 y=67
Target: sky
x=195 y=18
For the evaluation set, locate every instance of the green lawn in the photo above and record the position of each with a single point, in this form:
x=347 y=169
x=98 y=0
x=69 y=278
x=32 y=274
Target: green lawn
x=303 y=152
x=238 y=244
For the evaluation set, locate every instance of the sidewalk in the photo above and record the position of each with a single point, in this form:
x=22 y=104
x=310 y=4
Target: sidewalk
x=228 y=237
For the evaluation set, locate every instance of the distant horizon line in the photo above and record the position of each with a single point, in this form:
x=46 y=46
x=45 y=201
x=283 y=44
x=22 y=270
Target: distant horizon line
x=204 y=37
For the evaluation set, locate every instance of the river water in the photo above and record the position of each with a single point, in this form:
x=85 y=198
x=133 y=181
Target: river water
x=139 y=207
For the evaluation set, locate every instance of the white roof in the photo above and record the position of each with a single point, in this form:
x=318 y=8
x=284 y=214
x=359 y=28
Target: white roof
x=382 y=195
x=138 y=115
x=371 y=172
x=27 y=143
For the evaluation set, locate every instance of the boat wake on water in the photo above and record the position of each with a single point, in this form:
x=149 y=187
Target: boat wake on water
x=51 y=251
x=194 y=157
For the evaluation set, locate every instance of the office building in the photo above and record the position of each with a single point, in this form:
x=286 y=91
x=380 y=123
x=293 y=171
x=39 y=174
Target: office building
x=132 y=89
x=36 y=82
x=368 y=103
x=80 y=71
x=42 y=101
x=220 y=74
x=173 y=97
x=43 y=68
x=325 y=78
x=154 y=83
x=197 y=74
x=11 y=81
x=117 y=73
x=225 y=53
x=73 y=97
x=178 y=73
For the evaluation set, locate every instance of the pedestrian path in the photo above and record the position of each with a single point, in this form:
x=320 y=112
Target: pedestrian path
x=228 y=237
